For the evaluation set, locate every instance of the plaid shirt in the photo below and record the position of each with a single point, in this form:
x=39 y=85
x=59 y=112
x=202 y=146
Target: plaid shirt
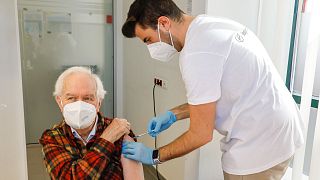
x=66 y=157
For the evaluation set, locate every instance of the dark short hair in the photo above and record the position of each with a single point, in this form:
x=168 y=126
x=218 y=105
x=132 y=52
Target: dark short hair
x=147 y=12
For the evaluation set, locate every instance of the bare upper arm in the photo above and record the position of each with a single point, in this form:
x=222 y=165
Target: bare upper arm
x=202 y=119
x=132 y=170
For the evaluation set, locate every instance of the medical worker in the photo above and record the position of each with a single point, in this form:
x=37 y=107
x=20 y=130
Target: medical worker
x=232 y=86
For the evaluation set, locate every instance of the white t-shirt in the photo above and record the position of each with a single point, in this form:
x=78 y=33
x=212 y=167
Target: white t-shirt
x=224 y=62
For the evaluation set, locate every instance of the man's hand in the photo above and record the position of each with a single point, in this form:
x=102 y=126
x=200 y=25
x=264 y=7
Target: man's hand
x=138 y=152
x=116 y=130
x=161 y=123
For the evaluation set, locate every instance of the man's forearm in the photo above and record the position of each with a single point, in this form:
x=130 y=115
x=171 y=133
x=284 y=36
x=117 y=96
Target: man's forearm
x=181 y=111
x=200 y=132
x=181 y=146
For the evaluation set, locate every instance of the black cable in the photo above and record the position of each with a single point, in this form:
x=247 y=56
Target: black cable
x=154 y=111
x=155 y=114
x=154 y=101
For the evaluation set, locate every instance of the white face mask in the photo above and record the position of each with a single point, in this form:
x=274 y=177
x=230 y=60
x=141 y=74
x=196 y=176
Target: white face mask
x=162 y=51
x=79 y=115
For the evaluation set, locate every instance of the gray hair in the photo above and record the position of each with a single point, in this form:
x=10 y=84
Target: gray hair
x=77 y=69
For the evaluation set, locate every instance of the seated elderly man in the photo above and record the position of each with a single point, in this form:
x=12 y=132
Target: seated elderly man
x=85 y=145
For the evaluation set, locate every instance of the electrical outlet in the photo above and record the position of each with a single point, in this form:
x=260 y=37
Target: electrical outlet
x=161 y=82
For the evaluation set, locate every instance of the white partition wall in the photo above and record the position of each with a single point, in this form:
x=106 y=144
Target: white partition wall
x=118 y=59
x=13 y=160
x=138 y=73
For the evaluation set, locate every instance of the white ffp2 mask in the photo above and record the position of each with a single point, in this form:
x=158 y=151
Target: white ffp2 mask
x=162 y=51
x=79 y=115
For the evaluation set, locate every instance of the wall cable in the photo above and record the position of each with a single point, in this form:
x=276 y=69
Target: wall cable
x=155 y=114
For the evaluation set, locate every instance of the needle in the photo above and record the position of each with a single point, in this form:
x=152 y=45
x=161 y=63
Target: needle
x=141 y=135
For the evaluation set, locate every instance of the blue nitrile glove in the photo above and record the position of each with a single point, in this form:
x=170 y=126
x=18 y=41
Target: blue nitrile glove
x=161 y=123
x=138 y=152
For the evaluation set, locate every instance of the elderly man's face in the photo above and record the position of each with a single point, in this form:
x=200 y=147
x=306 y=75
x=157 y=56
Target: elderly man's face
x=78 y=87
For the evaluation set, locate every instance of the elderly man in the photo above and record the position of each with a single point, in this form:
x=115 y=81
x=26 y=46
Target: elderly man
x=85 y=145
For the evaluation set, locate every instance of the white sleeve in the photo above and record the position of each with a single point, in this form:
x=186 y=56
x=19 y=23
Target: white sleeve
x=202 y=74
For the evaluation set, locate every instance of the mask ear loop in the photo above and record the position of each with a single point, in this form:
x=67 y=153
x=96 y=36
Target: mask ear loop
x=171 y=38
x=169 y=35
x=159 y=32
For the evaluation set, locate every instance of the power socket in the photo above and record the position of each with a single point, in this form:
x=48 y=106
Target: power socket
x=160 y=82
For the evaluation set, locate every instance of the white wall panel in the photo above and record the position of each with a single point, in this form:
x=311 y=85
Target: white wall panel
x=13 y=158
x=139 y=71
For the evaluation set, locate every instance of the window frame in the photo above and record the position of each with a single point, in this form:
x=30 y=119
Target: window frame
x=291 y=65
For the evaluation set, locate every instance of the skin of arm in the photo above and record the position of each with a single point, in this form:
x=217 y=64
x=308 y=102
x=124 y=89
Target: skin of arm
x=181 y=111
x=132 y=170
x=200 y=132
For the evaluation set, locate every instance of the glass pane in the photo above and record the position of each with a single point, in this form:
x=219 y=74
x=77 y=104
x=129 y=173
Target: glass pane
x=55 y=35
x=304 y=45
x=308 y=47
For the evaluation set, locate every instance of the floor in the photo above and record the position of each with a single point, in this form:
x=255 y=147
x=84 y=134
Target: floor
x=37 y=170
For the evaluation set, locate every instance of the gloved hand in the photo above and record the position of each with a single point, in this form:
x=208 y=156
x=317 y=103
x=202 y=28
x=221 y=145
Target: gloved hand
x=138 y=152
x=161 y=123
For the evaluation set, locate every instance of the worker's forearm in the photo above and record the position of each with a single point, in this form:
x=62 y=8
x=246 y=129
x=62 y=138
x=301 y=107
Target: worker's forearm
x=184 y=144
x=202 y=120
x=181 y=112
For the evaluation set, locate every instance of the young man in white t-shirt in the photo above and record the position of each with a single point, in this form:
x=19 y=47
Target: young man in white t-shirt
x=232 y=86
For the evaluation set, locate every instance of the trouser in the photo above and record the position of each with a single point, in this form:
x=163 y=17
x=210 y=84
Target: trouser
x=274 y=173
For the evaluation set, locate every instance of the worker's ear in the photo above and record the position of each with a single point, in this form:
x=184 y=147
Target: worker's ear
x=59 y=102
x=164 y=23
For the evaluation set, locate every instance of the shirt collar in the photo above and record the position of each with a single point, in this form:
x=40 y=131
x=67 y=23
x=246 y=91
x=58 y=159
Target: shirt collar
x=91 y=134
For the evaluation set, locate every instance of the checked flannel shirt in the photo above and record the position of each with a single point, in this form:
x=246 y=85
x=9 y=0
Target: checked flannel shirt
x=66 y=157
